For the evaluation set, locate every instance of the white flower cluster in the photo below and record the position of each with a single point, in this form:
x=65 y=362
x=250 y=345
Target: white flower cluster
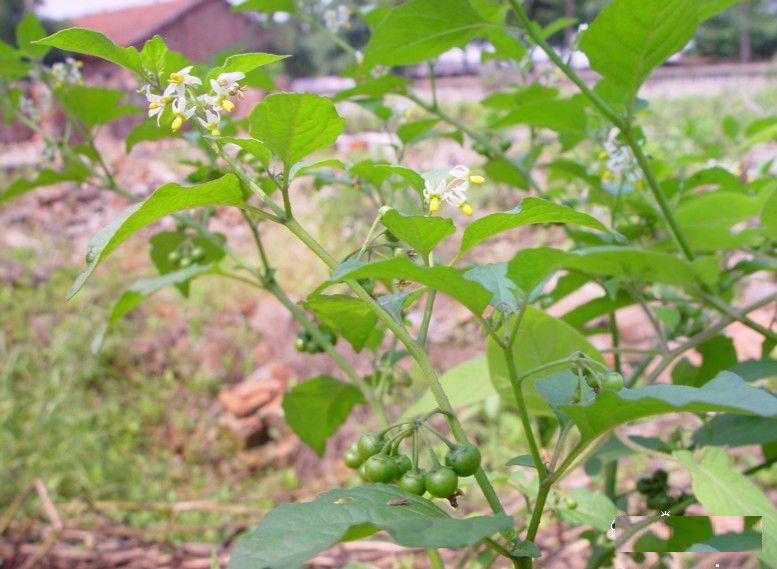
x=68 y=71
x=36 y=108
x=619 y=161
x=450 y=187
x=185 y=100
x=336 y=18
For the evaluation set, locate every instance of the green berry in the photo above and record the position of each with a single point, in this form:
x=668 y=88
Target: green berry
x=413 y=483
x=198 y=253
x=613 y=381
x=442 y=482
x=464 y=459
x=299 y=344
x=570 y=503
x=186 y=261
x=362 y=472
x=174 y=257
x=369 y=445
x=403 y=464
x=352 y=459
x=380 y=468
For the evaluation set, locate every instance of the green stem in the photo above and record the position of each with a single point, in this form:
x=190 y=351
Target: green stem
x=723 y=307
x=611 y=469
x=615 y=119
x=435 y=560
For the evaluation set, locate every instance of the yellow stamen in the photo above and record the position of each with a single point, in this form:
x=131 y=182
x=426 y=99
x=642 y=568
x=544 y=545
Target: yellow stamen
x=176 y=78
x=640 y=184
x=79 y=64
x=466 y=208
x=153 y=105
x=177 y=123
x=58 y=84
x=477 y=180
x=602 y=155
x=434 y=204
x=215 y=131
x=607 y=176
x=228 y=105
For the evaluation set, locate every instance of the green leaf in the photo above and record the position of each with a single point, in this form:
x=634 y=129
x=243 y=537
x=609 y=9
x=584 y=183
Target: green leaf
x=707 y=220
x=266 y=6
x=465 y=385
x=350 y=317
x=159 y=61
x=524 y=460
x=420 y=30
x=563 y=388
x=630 y=38
x=316 y=408
x=540 y=339
x=554 y=114
x=93 y=105
x=444 y=279
x=493 y=278
x=736 y=431
x=245 y=63
x=294 y=125
x=146 y=131
x=592 y=508
x=718 y=354
x=374 y=88
x=292 y=534
x=414 y=131
x=411 y=177
x=753 y=370
x=88 y=42
x=724 y=491
x=253 y=147
x=74 y=172
x=28 y=31
x=419 y=232
x=531 y=211
x=769 y=215
x=709 y=8
x=724 y=393
x=167 y=199
x=165 y=242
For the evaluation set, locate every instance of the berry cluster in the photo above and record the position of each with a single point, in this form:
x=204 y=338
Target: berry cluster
x=377 y=458
x=185 y=255
x=307 y=343
x=656 y=490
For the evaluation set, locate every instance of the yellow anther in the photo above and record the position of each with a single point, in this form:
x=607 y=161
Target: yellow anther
x=153 y=105
x=176 y=78
x=466 y=208
x=79 y=64
x=640 y=184
x=607 y=176
x=228 y=105
x=602 y=155
x=434 y=204
x=477 y=180
x=58 y=84
x=406 y=113
x=215 y=131
x=177 y=123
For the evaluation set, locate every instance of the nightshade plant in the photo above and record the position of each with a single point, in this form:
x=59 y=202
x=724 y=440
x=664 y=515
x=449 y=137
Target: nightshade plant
x=671 y=235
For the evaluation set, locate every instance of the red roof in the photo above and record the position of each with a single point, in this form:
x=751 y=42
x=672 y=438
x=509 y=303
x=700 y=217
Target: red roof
x=130 y=26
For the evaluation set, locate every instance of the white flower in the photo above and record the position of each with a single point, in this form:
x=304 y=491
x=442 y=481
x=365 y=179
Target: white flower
x=217 y=102
x=179 y=80
x=211 y=122
x=183 y=111
x=156 y=105
x=227 y=82
x=337 y=18
x=450 y=187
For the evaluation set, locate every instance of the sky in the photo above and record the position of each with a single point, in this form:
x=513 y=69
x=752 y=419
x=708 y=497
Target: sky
x=70 y=8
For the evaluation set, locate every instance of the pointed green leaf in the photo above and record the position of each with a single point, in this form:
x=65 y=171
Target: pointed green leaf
x=630 y=38
x=165 y=242
x=93 y=43
x=28 y=31
x=146 y=131
x=707 y=220
x=350 y=317
x=725 y=393
x=245 y=63
x=374 y=88
x=422 y=233
x=420 y=30
x=531 y=211
x=724 y=491
x=316 y=408
x=541 y=339
x=554 y=114
x=294 y=125
x=167 y=199
x=446 y=280
x=266 y=6
x=74 y=172
x=493 y=278
x=591 y=509
x=292 y=534
x=94 y=105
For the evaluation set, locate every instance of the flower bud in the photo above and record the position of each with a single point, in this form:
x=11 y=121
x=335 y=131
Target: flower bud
x=434 y=204
x=466 y=208
x=177 y=123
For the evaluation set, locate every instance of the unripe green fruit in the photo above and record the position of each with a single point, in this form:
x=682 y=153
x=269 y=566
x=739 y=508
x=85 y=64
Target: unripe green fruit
x=369 y=445
x=198 y=253
x=403 y=464
x=613 y=381
x=186 y=261
x=570 y=503
x=380 y=468
x=361 y=471
x=352 y=459
x=464 y=459
x=299 y=344
x=442 y=482
x=174 y=257
x=413 y=483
